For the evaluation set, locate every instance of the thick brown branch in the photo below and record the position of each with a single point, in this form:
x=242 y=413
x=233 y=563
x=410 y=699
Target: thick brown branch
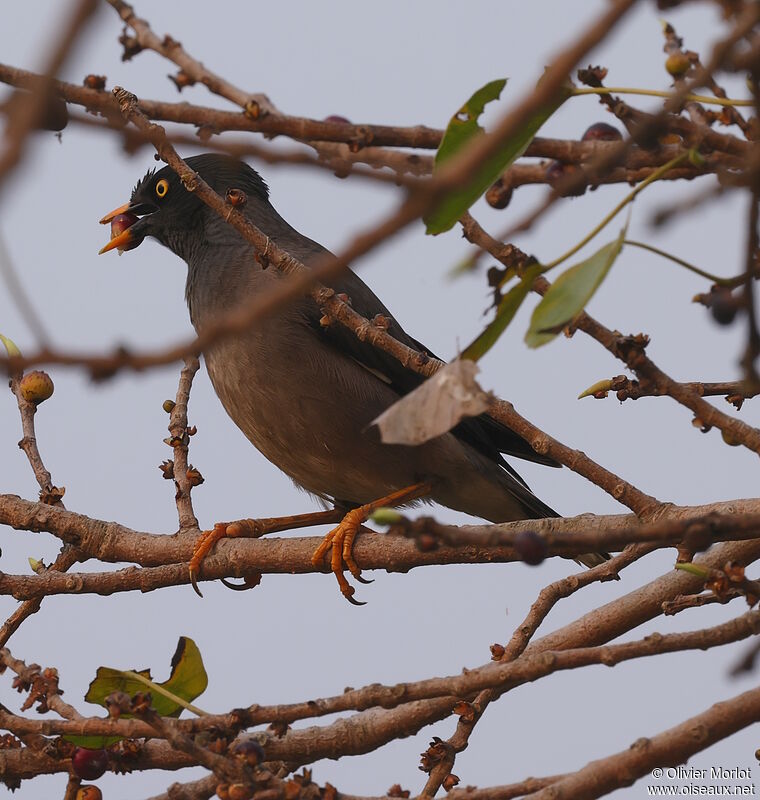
x=112 y=542
x=360 y=734
x=596 y=533
x=504 y=675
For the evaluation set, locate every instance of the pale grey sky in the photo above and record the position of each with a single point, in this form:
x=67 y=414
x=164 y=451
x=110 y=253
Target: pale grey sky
x=406 y=64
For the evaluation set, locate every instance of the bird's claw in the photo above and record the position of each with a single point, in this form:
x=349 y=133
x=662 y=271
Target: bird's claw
x=203 y=546
x=250 y=582
x=194 y=580
x=353 y=602
x=340 y=541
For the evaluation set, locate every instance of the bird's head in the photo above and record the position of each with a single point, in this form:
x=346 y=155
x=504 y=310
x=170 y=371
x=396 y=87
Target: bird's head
x=163 y=208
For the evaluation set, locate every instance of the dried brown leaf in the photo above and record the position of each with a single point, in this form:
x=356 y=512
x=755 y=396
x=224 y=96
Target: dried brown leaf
x=436 y=406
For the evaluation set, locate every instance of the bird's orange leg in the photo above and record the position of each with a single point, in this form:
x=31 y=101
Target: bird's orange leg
x=252 y=529
x=341 y=538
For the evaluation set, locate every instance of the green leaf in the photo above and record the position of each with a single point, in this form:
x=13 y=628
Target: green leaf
x=596 y=388
x=188 y=679
x=694 y=569
x=570 y=293
x=10 y=346
x=92 y=742
x=505 y=312
x=461 y=130
x=386 y=516
x=464 y=124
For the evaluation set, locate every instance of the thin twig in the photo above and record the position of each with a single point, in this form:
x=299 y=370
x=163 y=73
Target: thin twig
x=179 y=431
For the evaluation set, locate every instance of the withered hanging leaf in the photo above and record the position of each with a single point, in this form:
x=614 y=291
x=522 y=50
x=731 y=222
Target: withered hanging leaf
x=436 y=406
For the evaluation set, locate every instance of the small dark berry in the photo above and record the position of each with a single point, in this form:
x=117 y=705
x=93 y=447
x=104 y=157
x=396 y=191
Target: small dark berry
x=89 y=764
x=250 y=751
x=723 y=308
x=601 y=132
x=55 y=116
x=530 y=547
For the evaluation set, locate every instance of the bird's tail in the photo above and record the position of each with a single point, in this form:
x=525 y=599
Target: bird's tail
x=592 y=559
x=537 y=509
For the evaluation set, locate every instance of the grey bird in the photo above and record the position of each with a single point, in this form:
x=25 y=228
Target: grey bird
x=305 y=394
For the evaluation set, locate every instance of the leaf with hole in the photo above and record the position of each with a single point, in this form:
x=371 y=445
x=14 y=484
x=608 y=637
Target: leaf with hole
x=461 y=131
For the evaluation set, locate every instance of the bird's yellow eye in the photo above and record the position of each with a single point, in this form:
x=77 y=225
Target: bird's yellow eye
x=162 y=187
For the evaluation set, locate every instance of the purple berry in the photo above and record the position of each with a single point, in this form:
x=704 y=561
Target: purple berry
x=724 y=307
x=89 y=764
x=530 y=547
x=250 y=751
x=601 y=132
x=119 y=224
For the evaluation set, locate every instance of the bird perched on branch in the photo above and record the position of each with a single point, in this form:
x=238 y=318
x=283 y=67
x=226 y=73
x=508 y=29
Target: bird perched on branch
x=304 y=393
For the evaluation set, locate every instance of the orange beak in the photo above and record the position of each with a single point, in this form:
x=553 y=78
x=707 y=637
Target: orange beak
x=115 y=213
x=122 y=241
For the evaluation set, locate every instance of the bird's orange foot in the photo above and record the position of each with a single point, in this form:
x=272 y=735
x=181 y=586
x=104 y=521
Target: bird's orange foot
x=250 y=528
x=221 y=530
x=341 y=538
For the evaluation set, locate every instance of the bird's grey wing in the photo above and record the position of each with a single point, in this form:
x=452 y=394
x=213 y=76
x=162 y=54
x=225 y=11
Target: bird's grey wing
x=484 y=433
